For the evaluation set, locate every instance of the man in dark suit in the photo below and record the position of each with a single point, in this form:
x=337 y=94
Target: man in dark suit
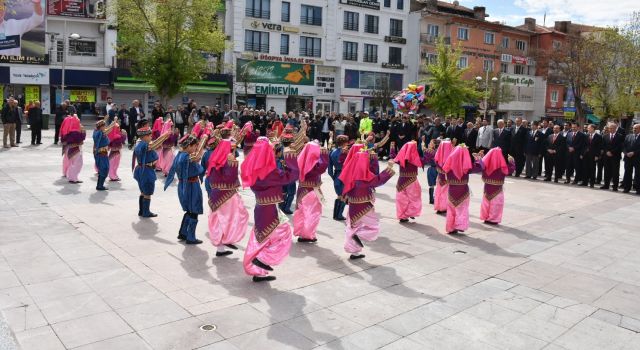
x=459 y=131
x=471 y=137
x=35 y=122
x=518 y=142
x=502 y=139
x=532 y=150
x=612 y=152
x=554 y=158
x=136 y=114
x=591 y=154
x=631 y=151
x=576 y=153
x=403 y=131
x=546 y=129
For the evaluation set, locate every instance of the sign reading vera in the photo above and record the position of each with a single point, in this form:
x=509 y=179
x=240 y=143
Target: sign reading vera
x=82 y=95
x=22 y=28
x=95 y=9
x=275 y=72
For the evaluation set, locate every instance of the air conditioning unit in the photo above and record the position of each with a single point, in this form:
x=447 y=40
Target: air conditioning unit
x=102 y=28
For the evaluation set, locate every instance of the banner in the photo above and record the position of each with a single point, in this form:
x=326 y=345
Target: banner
x=94 y=9
x=31 y=94
x=28 y=75
x=22 y=33
x=82 y=95
x=275 y=72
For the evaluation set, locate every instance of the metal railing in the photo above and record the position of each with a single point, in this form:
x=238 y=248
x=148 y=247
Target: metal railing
x=78 y=59
x=255 y=47
x=255 y=13
x=350 y=56
x=370 y=29
x=311 y=20
x=370 y=58
x=397 y=33
x=284 y=49
x=350 y=26
x=310 y=52
x=428 y=38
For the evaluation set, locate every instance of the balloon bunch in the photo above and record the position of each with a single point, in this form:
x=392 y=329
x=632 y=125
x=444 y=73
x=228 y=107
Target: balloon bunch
x=409 y=99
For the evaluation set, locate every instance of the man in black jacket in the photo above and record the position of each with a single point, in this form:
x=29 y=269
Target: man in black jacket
x=592 y=152
x=532 y=150
x=575 y=155
x=518 y=142
x=502 y=139
x=470 y=138
x=35 y=122
x=611 y=155
x=458 y=131
x=631 y=151
x=61 y=113
x=546 y=130
x=9 y=120
x=554 y=155
x=136 y=114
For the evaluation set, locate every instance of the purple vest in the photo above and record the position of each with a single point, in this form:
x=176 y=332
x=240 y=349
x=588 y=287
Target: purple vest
x=313 y=177
x=224 y=184
x=409 y=172
x=361 y=197
x=72 y=142
x=493 y=183
x=458 y=187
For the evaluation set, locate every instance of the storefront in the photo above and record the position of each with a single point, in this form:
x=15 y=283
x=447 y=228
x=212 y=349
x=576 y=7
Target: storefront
x=82 y=89
x=27 y=84
x=359 y=88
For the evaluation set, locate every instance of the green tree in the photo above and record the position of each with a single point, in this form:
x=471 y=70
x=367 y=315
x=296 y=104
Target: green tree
x=166 y=39
x=448 y=91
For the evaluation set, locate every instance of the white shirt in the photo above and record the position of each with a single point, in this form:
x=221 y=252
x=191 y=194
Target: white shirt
x=485 y=137
x=109 y=107
x=18 y=27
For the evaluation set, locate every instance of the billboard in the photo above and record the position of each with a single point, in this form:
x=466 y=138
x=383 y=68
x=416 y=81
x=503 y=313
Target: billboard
x=22 y=31
x=275 y=72
x=96 y=9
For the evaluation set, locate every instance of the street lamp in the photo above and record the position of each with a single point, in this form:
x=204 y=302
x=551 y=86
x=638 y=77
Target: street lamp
x=486 y=93
x=74 y=36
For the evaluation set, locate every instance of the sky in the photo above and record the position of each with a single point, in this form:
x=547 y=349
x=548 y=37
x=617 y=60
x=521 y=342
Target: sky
x=591 y=12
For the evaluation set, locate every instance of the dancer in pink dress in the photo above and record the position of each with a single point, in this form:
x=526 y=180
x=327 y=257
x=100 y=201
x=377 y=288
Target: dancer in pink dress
x=117 y=138
x=72 y=135
x=156 y=131
x=270 y=239
x=409 y=192
x=312 y=162
x=228 y=218
x=442 y=188
x=359 y=184
x=493 y=174
x=165 y=153
x=457 y=168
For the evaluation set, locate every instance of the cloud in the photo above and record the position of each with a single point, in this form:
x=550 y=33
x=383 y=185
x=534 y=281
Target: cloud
x=592 y=12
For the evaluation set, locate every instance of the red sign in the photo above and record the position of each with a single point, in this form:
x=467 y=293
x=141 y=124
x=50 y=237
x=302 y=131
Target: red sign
x=519 y=60
x=95 y=9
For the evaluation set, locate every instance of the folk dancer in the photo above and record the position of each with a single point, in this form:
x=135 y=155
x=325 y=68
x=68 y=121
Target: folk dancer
x=101 y=150
x=336 y=162
x=144 y=154
x=495 y=169
x=117 y=138
x=442 y=187
x=156 y=131
x=312 y=162
x=166 y=151
x=72 y=135
x=270 y=239
x=457 y=168
x=359 y=184
x=409 y=192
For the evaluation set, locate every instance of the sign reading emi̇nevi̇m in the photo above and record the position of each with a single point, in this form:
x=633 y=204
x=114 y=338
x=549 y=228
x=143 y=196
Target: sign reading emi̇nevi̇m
x=276 y=90
x=275 y=72
x=368 y=4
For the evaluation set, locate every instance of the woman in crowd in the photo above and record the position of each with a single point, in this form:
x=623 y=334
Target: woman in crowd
x=409 y=192
x=495 y=169
x=442 y=188
x=72 y=135
x=312 y=162
x=117 y=139
x=457 y=169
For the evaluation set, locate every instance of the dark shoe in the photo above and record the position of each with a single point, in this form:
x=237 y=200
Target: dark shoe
x=605 y=187
x=404 y=220
x=288 y=212
x=454 y=232
x=231 y=246
x=261 y=265
x=591 y=185
x=356 y=257
x=114 y=180
x=140 y=198
x=547 y=180
x=431 y=196
x=15 y=146
x=264 y=278
x=101 y=188
x=567 y=182
x=358 y=241
x=38 y=143
x=33 y=143
x=150 y=215
x=411 y=217
x=556 y=180
x=197 y=241
x=615 y=189
x=182 y=237
x=626 y=191
x=225 y=253
x=490 y=222
x=306 y=240
x=441 y=212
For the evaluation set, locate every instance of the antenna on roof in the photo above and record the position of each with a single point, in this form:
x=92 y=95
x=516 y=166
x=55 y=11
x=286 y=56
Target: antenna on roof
x=544 y=21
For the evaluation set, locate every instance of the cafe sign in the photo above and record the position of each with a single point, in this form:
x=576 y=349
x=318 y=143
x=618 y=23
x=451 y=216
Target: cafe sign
x=517 y=80
x=367 y=4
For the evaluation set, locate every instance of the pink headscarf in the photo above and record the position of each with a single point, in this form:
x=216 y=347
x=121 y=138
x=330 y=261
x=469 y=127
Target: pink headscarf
x=219 y=156
x=357 y=169
x=494 y=160
x=443 y=152
x=308 y=158
x=115 y=133
x=259 y=163
x=409 y=153
x=459 y=162
x=69 y=124
x=157 y=126
x=197 y=129
x=352 y=151
x=167 y=126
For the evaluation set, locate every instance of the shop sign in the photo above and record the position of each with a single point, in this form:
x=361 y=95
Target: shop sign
x=265 y=57
x=276 y=90
x=367 y=4
x=82 y=95
x=395 y=39
x=554 y=110
x=516 y=80
x=393 y=65
x=29 y=75
x=570 y=112
x=518 y=60
x=31 y=93
x=22 y=31
x=275 y=72
x=366 y=92
x=274 y=27
x=43 y=60
x=78 y=8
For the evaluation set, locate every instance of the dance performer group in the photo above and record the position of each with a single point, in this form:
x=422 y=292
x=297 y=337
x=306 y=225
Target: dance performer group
x=271 y=168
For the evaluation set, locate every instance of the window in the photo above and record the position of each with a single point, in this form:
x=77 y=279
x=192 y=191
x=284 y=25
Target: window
x=82 y=48
x=286 y=11
x=505 y=42
x=395 y=55
x=310 y=47
x=487 y=65
x=400 y=4
x=463 y=62
x=504 y=68
x=371 y=24
x=520 y=69
x=351 y=21
x=395 y=27
x=350 y=51
x=387 y=3
x=554 y=96
x=521 y=45
x=284 y=44
x=256 y=41
x=258 y=9
x=355 y=79
x=311 y=15
x=463 y=33
x=432 y=58
x=433 y=30
x=489 y=38
x=557 y=45
x=370 y=53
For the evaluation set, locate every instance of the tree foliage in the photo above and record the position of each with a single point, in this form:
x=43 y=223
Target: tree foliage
x=382 y=95
x=166 y=39
x=448 y=91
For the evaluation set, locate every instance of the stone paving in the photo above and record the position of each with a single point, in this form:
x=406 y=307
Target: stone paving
x=80 y=270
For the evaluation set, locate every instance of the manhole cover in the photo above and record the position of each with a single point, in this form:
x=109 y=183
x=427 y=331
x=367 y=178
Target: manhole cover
x=208 y=327
x=459 y=252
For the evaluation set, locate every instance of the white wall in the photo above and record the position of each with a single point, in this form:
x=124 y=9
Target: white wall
x=88 y=31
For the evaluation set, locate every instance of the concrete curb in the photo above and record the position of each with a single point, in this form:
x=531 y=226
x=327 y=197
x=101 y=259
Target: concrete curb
x=7 y=339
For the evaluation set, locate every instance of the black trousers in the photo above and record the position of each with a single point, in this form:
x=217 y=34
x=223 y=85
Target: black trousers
x=132 y=135
x=589 y=174
x=611 y=171
x=540 y=160
x=56 y=137
x=519 y=158
x=18 y=130
x=553 y=165
x=36 y=133
x=569 y=166
x=180 y=128
x=631 y=165
x=324 y=137
x=600 y=168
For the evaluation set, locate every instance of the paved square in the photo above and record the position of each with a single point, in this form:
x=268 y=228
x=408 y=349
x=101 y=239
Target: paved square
x=80 y=270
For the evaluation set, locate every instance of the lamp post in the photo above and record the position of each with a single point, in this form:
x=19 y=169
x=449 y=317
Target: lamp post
x=486 y=93
x=73 y=36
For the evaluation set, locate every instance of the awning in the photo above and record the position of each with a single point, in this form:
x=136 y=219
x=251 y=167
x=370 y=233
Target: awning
x=593 y=118
x=133 y=86
x=208 y=89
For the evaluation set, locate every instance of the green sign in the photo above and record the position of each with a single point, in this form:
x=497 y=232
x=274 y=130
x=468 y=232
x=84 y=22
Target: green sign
x=275 y=72
x=276 y=90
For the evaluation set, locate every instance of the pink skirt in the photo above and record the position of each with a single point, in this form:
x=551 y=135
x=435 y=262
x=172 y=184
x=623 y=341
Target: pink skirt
x=75 y=166
x=367 y=229
x=272 y=251
x=458 y=217
x=167 y=160
x=65 y=164
x=441 y=197
x=228 y=224
x=409 y=201
x=491 y=210
x=114 y=163
x=160 y=161
x=307 y=216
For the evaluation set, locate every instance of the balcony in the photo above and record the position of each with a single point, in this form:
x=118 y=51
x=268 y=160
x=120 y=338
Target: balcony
x=350 y=26
x=370 y=58
x=311 y=21
x=350 y=56
x=78 y=59
x=371 y=29
x=255 y=47
x=255 y=13
x=511 y=50
x=427 y=38
x=284 y=49
x=310 y=52
x=396 y=33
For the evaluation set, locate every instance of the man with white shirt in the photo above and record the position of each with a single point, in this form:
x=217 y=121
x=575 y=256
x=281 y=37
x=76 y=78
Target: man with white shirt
x=11 y=30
